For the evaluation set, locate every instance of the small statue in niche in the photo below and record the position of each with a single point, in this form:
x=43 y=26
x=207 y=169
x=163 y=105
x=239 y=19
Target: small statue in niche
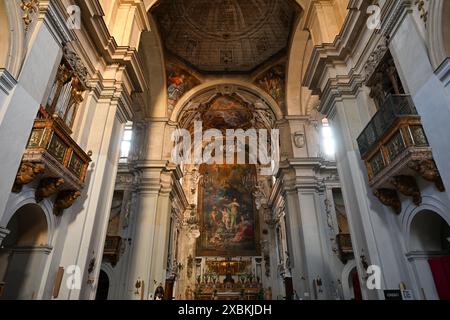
x=268 y=294
x=159 y=292
x=189 y=293
x=299 y=139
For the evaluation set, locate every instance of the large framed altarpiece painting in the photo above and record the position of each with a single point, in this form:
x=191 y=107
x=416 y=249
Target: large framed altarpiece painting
x=229 y=223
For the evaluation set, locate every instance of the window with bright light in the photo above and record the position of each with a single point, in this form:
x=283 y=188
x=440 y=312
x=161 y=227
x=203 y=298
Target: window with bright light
x=328 y=139
x=125 y=146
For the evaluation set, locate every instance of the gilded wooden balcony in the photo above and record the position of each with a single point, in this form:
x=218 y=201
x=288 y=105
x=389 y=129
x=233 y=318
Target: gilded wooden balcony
x=344 y=245
x=113 y=249
x=395 y=150
x=54 y=158
x=344 y=242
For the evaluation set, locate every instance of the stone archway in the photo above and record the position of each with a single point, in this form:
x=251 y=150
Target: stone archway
x=439 y=32
x=24 y=253
x=4 y=35
x=103 y=286
x=429 y=253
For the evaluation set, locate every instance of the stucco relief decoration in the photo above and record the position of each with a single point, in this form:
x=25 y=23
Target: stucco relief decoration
x=422 y=8
x=299 y=139
x=29 y=8
x=273 y=82
x=76 y=64
x=179 y=81
x=375 y=58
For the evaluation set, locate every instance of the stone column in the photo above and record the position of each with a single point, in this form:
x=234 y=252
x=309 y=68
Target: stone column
x=151 y=238
x=90 y=214
x=295 y=236
x=372 y=225
x=25 y=267
x=430 y=96
x=20 y=103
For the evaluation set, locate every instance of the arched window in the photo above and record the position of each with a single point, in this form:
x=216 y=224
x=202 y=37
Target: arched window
x=328 y=142
x=125 y=146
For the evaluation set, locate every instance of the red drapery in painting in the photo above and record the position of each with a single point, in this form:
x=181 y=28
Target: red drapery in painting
x=440 y=268
x=356 y=286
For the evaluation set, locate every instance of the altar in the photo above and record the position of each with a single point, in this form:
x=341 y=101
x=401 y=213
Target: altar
x=249 y=291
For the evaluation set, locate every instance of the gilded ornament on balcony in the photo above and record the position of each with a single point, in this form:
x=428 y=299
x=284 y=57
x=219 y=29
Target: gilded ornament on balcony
x=389 y=198
x=27 y=173
x=29 y=7
x=407 y=185
x=65 y=200
x=47 y=188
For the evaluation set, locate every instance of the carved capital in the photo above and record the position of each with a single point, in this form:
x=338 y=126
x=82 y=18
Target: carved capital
x=389 y=198
x=407 y=185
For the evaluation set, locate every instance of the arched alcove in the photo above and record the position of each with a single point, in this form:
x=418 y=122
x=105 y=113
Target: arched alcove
x=24 y=252
x=429 y=249
x=429 y=233
x=103 y=286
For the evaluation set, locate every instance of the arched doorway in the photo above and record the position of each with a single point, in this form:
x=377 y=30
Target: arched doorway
x=351 y=285
x=24 y=253
x=429 y=244
x=103 y=286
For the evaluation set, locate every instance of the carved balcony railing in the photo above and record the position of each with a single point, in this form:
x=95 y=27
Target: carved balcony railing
x=345 y=248
x=395 y=149
x=54 y=158
x=113 y=249
x=344 y=242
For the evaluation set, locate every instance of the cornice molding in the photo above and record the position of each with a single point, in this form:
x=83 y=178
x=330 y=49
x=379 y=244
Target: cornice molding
x=7 y=81
x=107 y=47
x=443 y=72
x=53 y=15
x=327 y=56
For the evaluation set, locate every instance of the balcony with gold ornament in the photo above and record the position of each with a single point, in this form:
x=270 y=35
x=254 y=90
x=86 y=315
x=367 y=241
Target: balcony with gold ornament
x=113 y=249
x=344 y=246
x=395 y=151
x=52 y=157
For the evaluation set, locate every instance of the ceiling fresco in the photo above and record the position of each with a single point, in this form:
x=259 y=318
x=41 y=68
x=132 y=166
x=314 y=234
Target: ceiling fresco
x=218 y=36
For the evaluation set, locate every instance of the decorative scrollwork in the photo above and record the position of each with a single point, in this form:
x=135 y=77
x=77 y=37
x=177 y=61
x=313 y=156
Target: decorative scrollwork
x=27 y=173
x=389 y=198
x=407 y=185
x=65 y=200
x=29 y=7
x=428 y=171
x=47 y=188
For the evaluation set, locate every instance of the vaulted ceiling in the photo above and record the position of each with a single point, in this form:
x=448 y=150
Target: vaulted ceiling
x=217 y=36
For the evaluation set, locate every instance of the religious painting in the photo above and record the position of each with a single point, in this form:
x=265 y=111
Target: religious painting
x=341 y=213
x=273 y=82
x=227 y=112
x=228 y=219
x=179 y=81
